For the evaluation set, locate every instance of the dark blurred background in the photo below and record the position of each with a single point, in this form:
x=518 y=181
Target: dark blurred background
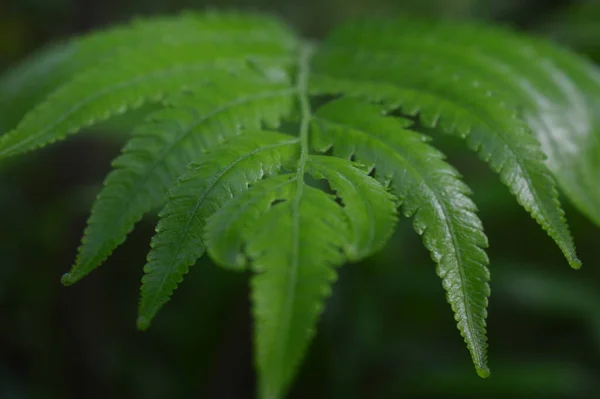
x=387 y=331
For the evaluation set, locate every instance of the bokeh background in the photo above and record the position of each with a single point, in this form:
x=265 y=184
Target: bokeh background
x=387 y=331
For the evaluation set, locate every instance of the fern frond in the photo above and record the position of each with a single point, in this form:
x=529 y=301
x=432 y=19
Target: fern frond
x=259 y=199
x=162 y=150
x=134 y=76
x=432 y=192
x=432 y=70
x=314 y=234
x=178 y=242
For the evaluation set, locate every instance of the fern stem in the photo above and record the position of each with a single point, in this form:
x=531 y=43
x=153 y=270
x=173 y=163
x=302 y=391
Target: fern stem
x=269 y=390
x=306 y=52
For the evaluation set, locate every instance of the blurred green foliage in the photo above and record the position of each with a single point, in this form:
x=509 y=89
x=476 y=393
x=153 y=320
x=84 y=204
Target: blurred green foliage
x=576 y=26
x=386 y=332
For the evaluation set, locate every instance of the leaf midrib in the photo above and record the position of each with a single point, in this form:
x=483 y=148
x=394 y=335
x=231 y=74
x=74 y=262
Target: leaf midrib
x=305 y=53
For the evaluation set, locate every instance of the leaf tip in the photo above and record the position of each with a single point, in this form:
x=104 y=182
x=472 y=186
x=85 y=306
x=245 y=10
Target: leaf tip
x=483 y=372
x=67 y=279
x=143 y=323
x=575 y=263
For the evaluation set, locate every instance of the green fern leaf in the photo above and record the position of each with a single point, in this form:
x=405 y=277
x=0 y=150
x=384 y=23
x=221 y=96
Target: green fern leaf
x=178 y=241
x=432 y=70
x=314 y=234
x=259 y=199
x=145 y=74
x=161 y=151
x=431 y=192
x=294 y=277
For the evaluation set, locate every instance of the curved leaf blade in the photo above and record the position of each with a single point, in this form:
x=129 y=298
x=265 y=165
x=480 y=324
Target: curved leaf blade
x=369 y=208
x=432 y=193
x=178 y=242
